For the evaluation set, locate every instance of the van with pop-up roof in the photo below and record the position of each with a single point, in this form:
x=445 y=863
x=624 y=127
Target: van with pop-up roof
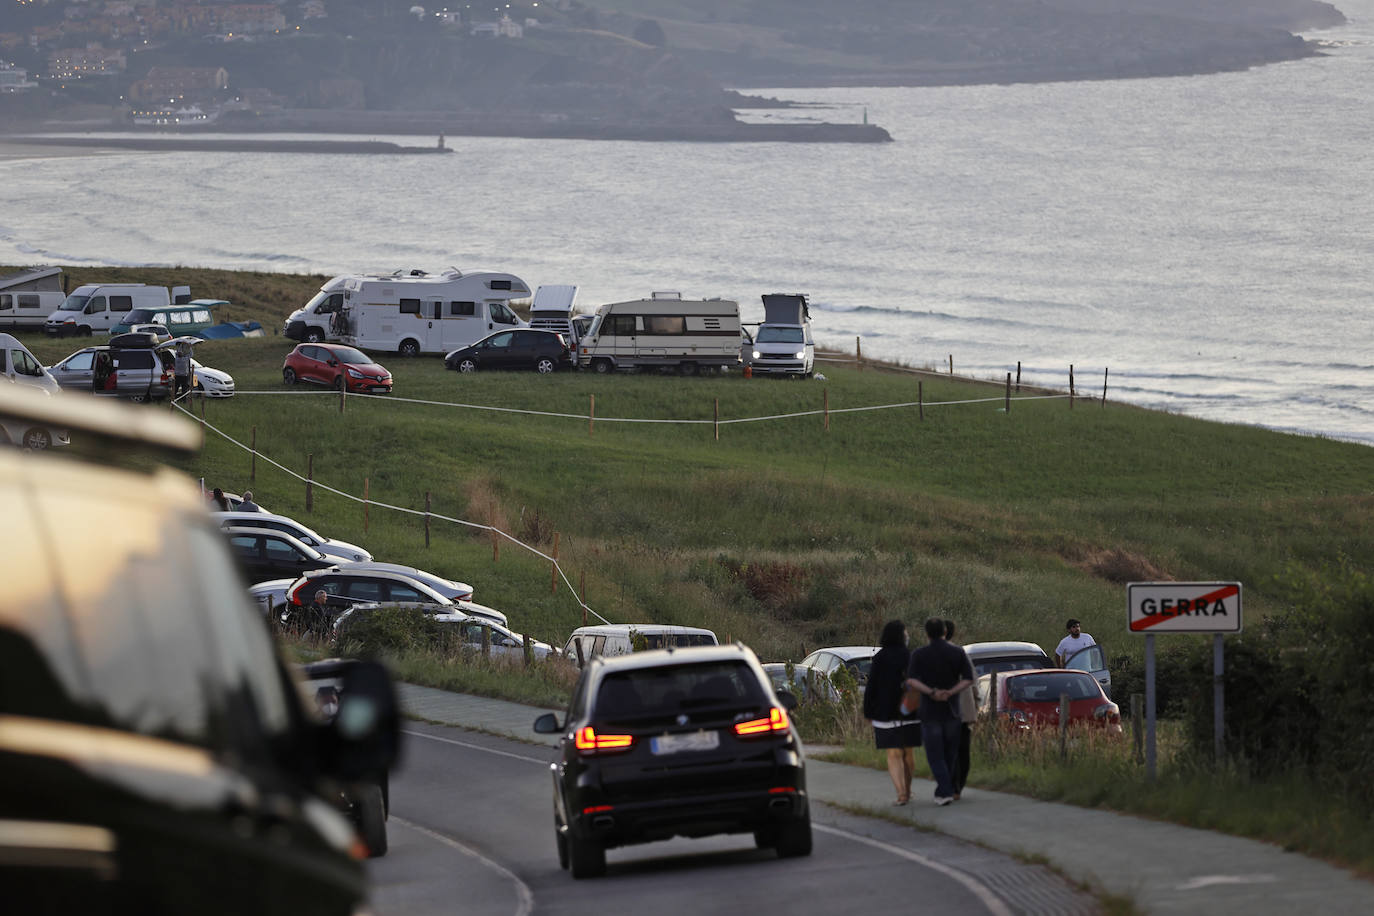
x=95 y=308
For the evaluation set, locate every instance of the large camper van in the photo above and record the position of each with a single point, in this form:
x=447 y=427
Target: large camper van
x=663 y=331
x=782 y=344
x=428 y=314
x=314 y=322
x=95 y=308
x=28 y=297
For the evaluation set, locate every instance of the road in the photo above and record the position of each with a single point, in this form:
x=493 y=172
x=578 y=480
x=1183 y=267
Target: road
x=471 y=831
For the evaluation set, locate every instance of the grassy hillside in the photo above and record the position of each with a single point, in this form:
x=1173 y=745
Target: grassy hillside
x=782 y=534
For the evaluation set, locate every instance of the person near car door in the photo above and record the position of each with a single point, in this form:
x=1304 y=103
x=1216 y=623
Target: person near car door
x=246 y=504
x=893 y=732
x=181 y=369
x=1075 y=642
x=936 y=674
x=968 y=714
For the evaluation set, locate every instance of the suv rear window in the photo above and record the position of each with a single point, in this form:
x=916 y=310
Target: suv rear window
x=669 y=690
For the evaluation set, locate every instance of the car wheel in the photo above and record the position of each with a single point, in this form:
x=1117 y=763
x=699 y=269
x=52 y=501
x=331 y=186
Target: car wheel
x=687 y=369
x=794 y=837
x=288 y=376
x=603 y=366
x=586 y=858
x=85 y=332
x=409 y=348
x=467 y=365
x=367 y=801
x=544 y=365
x=37 y=439
x=313 y=335
x=339 y=382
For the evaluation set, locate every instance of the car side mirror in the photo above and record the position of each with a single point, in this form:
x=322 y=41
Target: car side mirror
x=547 y=724
x=363 y=739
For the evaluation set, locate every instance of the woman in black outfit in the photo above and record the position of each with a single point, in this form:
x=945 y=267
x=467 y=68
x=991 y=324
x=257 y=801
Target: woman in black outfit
x=882 y=702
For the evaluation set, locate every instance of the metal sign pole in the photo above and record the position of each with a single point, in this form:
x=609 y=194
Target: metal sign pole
x=1150 y=707
x=1218 y=697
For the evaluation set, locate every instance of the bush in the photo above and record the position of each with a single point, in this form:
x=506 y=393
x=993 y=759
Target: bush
x=391 y=631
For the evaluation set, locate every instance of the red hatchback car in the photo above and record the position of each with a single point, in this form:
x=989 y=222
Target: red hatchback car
x=336 y=366
x=1030 y=699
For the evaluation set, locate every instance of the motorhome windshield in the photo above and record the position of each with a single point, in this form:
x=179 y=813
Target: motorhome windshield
x=350 y=355
x=318 y=298
x=595 y=327
x=74 y=303
x=771 y=334
x=502 y=315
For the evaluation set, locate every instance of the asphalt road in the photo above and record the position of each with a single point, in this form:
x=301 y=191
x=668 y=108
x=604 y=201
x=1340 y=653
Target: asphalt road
x=471 y=831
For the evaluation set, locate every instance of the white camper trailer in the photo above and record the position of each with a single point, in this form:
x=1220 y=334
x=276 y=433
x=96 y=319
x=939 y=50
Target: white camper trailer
x=663 y=331
x=782 y=344
x=428 y=314
x=27 y=298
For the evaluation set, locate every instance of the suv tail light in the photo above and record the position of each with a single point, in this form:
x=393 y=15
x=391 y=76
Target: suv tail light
x=589 y=742
x=777 y=721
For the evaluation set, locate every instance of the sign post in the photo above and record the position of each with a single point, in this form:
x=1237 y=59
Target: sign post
x=1183 y=607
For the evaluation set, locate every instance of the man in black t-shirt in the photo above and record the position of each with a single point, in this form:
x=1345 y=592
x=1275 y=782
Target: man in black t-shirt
x=938 y=672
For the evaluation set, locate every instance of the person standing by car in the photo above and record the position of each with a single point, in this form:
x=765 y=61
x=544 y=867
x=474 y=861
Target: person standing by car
x=937 y=672
x=218 y=501
x=968 y=714
x=246 y=504
x=882 y=698
x=1075 y=642
x=181 y=369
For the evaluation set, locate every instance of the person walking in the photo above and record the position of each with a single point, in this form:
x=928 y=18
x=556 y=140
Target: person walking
x=936 y=674
x=892 y=731
x=968 y=714
x=1075 y=642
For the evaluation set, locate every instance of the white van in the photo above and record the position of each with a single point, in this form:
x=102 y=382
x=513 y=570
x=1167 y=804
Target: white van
x=663 y=331
x=95 y=308
x=314 y=321
x=20 y=366
x=413 y=314
x=782 y=344
x=28 y=297
x=620 y=638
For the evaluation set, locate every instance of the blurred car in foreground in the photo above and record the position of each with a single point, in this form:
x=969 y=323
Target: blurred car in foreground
x=155 y=752
x=675 y=742
x=1030 y=699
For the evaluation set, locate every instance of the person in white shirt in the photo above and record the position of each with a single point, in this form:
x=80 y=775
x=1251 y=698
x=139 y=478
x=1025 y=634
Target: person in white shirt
x=1076 y=641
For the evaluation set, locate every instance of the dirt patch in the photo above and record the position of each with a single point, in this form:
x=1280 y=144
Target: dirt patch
x=1119 y=566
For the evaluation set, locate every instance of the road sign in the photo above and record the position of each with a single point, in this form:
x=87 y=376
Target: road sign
x=1183 y=607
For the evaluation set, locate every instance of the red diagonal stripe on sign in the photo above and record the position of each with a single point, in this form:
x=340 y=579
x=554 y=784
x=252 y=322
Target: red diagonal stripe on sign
x=1218 y=595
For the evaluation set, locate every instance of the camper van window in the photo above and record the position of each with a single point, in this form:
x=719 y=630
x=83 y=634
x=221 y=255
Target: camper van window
x=462 y=309
x=619 y=326
x=410 y=306
x=665 y=324
x=202 y=315
x=121 y=303
x=181 y=318
x=94 y=305
x=24 y=364
x=500 y=284
x=5 y=303
x=28 y=302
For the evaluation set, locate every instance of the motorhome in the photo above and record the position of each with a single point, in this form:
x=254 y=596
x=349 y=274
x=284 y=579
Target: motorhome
x=98 y=307
x=314 y=321
x=664 y=331
x=781 y=344
x=28 y=297
x=414 y=314
x=552 y=310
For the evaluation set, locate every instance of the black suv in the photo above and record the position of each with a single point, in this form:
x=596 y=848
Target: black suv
x=542 y=351
x=676 y=742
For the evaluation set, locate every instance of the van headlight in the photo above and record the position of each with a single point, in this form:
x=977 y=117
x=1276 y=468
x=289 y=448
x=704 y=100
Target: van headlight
x=758 y=355
x=801 y=354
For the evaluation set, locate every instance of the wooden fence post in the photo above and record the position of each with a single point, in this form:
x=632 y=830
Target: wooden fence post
x=1070 y=386
x=716 y=422
x=825 y=406
x=921 y=399
x=591 y=416
x=366 y=505
x=529 y=650
x=1104 y=386
x=253 y=457
x=426 y=519
x=859 y=354
x=553 y=571
x=202 y=410
x=951 y=364
x=1006 y=406
x=1018 y=376
x=310 y=482
x=495 y=544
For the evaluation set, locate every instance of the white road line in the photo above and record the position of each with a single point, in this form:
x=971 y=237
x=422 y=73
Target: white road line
x=979 y=890
x=524 y=896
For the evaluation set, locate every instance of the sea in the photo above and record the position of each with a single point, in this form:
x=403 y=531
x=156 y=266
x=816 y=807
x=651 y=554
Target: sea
x=1205 y=244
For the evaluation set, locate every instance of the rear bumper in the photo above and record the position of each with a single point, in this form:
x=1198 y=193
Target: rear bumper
x=688 y=816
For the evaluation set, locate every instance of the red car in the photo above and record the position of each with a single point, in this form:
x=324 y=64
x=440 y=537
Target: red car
x=336 y=366
x=1028 y=699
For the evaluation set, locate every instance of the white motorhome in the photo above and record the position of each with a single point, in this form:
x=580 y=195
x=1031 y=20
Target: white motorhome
x=314 y=321
x=663 y=331
x=781 y=344
x=552 y=310
x=413 y=314
x=98 y=307
x=28 y=297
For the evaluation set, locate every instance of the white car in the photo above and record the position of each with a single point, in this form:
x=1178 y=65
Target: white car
x=857 y=659
x=334 y=548
x=383 y=586
x=449 y=588
x=212 y=383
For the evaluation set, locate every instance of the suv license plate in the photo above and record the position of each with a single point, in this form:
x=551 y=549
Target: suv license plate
x=688 y=741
